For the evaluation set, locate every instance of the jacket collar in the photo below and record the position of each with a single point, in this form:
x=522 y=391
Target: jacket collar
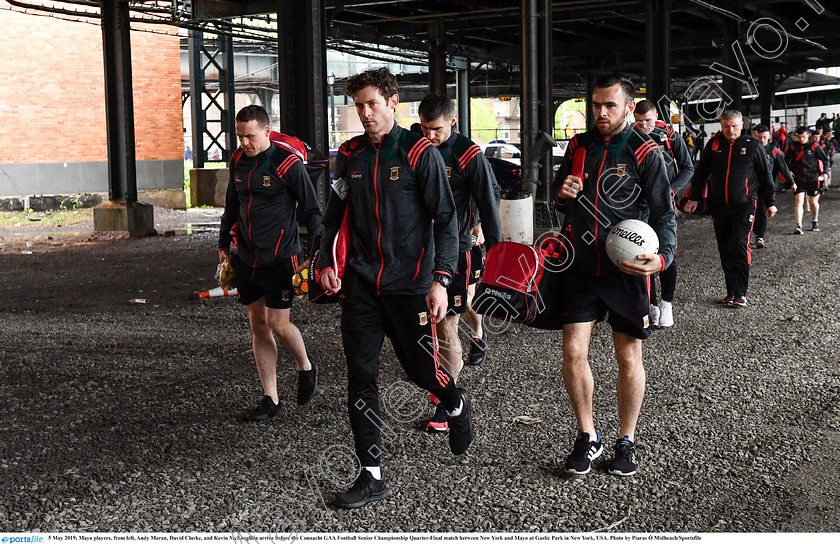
x=394 y=133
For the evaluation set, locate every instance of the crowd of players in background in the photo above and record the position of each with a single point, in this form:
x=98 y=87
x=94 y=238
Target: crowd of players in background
x=783 y=146
x=416 y=207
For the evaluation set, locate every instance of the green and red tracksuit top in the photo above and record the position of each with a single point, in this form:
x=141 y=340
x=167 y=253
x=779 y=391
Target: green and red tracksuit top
x=804 y=160
x=778 y=166
x=627 y=177
x=262 y=199
x=402 y=219
x=738 y=171
x=473 y=184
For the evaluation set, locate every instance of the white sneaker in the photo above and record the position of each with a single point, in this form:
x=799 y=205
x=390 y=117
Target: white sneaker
x=666 y=314
x=654 y=316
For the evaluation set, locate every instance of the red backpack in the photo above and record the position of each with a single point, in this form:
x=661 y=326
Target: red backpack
x=520 y=282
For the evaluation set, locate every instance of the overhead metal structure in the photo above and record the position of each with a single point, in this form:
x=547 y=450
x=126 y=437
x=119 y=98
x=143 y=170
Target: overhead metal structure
x=720 y=50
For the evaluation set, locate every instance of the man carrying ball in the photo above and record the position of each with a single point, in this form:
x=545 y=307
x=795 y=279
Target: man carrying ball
x=623 y=171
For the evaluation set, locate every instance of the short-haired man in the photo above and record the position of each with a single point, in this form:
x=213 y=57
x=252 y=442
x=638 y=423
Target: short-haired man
x=624 y=173
x=680 y=168
x=472 y=182
x=778 y=167
x=403 y=255
x=804 y=158
x=268 y=184
x=731 y=156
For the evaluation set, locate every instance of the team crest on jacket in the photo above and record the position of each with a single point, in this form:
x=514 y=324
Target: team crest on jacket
x=743 y=151
x=395 y=173
x=621 y=169
x=266 y=181
x=457 y=300
x=449 y=171
x=424 y=318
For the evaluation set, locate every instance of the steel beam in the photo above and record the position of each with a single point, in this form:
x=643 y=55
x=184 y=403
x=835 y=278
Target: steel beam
x=119 y=103
x=658 y=52
x=462 y=95
x=528 y=103
x=437 y=57
x=302 y=66
x=765 y=96
x=546 y=106
x=211 y=88
x=590 y=88
x=732 y=86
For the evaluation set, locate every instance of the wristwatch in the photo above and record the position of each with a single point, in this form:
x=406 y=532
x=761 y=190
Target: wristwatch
x=442 y=279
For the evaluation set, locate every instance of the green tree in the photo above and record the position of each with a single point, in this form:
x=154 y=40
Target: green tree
x=482 y=120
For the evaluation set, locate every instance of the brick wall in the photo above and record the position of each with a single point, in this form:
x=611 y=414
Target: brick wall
x=52 y=98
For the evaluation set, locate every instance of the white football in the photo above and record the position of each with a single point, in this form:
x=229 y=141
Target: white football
x=630 y=238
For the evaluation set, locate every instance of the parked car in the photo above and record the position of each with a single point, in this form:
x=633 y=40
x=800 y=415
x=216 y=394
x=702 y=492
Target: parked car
x=502 y=150
x=508 y=174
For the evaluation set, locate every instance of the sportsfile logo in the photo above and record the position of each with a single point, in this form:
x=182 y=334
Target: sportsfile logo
x=16 y=539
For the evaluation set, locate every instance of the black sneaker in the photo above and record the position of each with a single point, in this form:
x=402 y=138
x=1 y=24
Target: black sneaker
x=478 y=350
x=365 y=489
x=759 y=243
x=728 y=300
x=624 y=462
x=264 y=410
x=461 y=426
x=307 y=384
x=438 y=424
x=739 y=302
x=583 y=453
x=815 y=226
x=798 y=229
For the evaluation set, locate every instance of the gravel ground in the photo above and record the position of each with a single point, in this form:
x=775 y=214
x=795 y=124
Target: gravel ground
x=120 y=416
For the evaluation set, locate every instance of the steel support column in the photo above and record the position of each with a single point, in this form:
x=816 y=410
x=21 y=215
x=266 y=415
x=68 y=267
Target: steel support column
x=302 y=65
x=732 y=86
x=119 y=103
x=462 y=95
x=658 y=52
x=437 y=57
x=211 y=97
x=765 y=96
x=528 y=101
x=590 y=88
x=546 y=107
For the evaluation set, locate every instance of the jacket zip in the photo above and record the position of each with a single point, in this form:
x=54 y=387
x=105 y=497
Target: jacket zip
x=600 y=169
x=251 y=201
x=378 y=219
x=726 y=184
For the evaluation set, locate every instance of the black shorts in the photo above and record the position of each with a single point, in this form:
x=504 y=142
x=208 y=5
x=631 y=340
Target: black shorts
x=457 y=290
x=477 y=264
x=810 y=189
x=622 y=299
x=274 y=283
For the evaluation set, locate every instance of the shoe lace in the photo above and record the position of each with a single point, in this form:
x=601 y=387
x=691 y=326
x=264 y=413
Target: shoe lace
x=626 y=451
x=581 y=447
x=364 y=482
